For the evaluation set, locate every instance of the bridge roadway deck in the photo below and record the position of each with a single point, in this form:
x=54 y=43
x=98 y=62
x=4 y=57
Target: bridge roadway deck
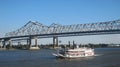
x=66 y=34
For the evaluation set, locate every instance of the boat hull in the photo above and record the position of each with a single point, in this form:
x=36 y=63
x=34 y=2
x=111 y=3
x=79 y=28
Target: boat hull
x=67 y=56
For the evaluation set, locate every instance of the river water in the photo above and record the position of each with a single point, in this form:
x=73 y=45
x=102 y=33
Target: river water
x=105 y=57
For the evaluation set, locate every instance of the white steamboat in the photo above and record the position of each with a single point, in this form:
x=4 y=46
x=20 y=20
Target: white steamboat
x=74 y=53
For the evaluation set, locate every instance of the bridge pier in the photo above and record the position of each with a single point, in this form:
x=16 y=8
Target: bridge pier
x=69 y=43
x=19 y=43
x=55 y=42
x=10 y=42
x=29 y=41
x=36 y=44
x=4 y=42
x=0 y=43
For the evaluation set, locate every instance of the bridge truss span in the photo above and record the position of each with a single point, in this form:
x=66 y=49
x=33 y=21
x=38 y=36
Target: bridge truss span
x=36 y=28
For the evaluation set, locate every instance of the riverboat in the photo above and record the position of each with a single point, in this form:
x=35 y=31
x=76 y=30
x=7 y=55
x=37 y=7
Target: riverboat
x=74 y=53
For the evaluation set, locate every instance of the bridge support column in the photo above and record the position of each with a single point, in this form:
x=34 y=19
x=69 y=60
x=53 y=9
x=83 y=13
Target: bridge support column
x=19 y=43
x=10 y=42
x=36 y=41
x=55 y=41
x=3 y=42
x=69 y=43
x=29 y=42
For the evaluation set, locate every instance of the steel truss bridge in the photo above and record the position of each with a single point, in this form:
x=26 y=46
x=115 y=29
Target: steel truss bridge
x=34 y=30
